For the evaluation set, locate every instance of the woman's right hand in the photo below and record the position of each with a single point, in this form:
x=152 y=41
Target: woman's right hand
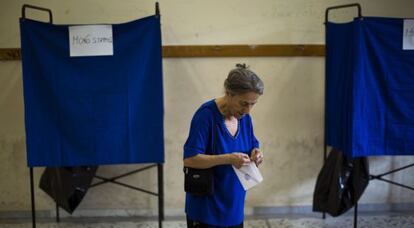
x=239 y=159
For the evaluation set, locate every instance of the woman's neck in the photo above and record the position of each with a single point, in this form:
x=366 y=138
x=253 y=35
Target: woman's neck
x=223 y=107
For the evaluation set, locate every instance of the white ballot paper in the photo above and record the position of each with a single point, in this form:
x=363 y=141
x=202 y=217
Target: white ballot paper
x=249 y=175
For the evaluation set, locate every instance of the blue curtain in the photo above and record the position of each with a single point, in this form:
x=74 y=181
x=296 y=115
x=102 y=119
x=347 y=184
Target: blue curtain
x=370 y=88
x=93 y=110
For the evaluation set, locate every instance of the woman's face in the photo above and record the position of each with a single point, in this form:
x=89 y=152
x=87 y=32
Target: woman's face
x=240 y=105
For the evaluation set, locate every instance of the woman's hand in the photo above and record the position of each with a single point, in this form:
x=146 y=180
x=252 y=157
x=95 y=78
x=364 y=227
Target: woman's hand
x=239 y=159
x=256 y=156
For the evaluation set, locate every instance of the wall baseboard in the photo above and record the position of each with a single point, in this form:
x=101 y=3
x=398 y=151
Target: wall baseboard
x=255 y=212
x=306 y=211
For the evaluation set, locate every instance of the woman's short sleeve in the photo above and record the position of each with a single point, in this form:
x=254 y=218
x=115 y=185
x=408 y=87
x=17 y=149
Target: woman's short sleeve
x=199 y=136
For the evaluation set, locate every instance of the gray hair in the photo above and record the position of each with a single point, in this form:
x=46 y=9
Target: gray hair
x=242 y=80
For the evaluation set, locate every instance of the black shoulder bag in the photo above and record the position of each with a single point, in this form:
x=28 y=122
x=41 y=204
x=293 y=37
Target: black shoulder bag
x=200 y=182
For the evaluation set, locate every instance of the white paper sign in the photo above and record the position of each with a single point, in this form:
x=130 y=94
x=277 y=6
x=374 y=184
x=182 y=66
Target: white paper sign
x=249 y=175
x=90 y=40
x=408 y=35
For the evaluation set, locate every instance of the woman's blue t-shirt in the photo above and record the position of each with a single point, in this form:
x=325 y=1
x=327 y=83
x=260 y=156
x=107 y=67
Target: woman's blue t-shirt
x=226 y=206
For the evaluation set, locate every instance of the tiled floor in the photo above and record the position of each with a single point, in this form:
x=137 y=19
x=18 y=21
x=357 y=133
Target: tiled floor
x=383 y=221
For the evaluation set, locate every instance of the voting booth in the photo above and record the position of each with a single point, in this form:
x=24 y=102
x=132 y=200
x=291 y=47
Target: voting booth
x=369 y=88
x=93 y=96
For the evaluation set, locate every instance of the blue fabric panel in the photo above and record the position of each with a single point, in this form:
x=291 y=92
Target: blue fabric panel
x=339 y=79
x=93 y=110
x=380 y=83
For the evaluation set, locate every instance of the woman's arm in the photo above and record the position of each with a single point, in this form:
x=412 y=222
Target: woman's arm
x=204 y=161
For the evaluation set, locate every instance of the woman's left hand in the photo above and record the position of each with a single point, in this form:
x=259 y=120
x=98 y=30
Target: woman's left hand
x=256 y=156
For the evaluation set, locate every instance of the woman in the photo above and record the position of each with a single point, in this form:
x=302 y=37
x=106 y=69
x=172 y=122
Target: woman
x=225 y=123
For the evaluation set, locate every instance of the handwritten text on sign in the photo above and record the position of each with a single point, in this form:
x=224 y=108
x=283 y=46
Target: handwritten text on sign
x=408 y=35
x=90 y=40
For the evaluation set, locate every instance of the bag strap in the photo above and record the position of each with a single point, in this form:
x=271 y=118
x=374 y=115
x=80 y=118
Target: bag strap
x=213 y=127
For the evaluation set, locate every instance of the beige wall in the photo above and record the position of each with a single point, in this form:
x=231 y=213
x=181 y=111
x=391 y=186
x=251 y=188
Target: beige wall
x=288 y=118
